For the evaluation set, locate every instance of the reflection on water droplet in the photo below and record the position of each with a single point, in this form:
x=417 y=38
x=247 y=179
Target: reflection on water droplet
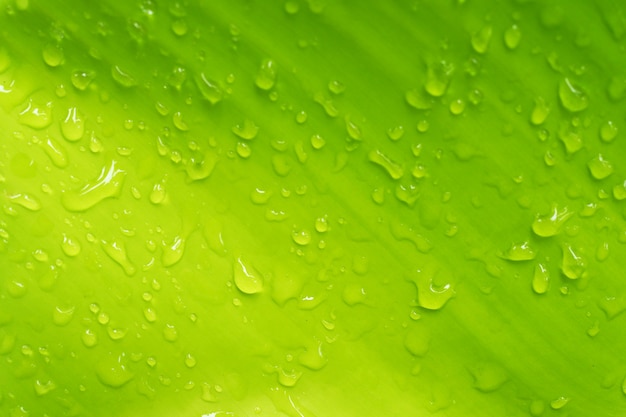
x=317 y=142
x=82 y=79
x=172 y=253
x=246 y=130
x=108 y=184
x=301 y=237
x=394 y=169
x=247 y=279
x=25 y=200
x=122 y=77
x=89 y=338
x=170 y=333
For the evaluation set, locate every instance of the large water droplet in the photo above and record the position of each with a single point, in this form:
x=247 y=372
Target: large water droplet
x=247 y=279
x=432 y=292
x=572 y=96
x=112 y=370
x=599 y=167
x=173 y=252
x=246 y=130
x=108 y=184
x=394 y=169
x=551 y=224
x=52 y=54
x=481 y=39
x=36 y=115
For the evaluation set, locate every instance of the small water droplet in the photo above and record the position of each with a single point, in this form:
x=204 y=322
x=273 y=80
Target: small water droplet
x=619 y=191
x=209 y=89
x=559 y=403
x=266 y=76
x=190 y=360
x=481 y=39
x=246 y=130
x=43 y=387
x=108 y=184
x=572 y=96
x=519 y=252
x=117 y=252
x=115 y=333
x=173 y=252
x=354 y=131
x=540 y=112
x=457 y=106
x=573 y=264
x=158 y=193
x=247 y=279
x=512 y=37
x=179 y=27
x=89 y=338
x=608 y=131
x=112 y=370
x=301 y=237
x=52 y=54
x=82 y=79
x=599 y=167
x=321 y=224
x=317 y=141
x=150 y=314
x=336 y=87
x=437 y=78
x=122 y=77
x=327 y=104
x=541 y=279
x=418 y=99
x=73 y=126
x=551 y=224
x=394 y=169
x=61 y=316
x=170 y=333
x=396 y=132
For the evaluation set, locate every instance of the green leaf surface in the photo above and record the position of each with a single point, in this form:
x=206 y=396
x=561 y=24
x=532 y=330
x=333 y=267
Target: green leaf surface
x=312 y=208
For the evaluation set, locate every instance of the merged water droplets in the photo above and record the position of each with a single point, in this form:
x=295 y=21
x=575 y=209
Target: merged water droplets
x=108 y=184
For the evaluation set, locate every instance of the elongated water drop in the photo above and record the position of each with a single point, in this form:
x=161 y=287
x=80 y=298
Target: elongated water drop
x=108 y=184
x=481 y=39
x=512 y=37
x=394 y=169
x=36 y=115
x=551 y=224
x=573 y=264
x=519 y=252
x=73 y=126
x=173 y=252
x=25 y=200
x=247 y=279
x=541 y=279
x=122 y=77
x=572 y=96
x=117 y=251
x=266 y=76
x=82 y=79
x=246 y=130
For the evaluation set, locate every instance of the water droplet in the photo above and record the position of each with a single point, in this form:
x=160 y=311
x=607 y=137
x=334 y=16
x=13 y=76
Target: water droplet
x=16 y=289
x=172 y=253
x=27 y=201
x=602 y=253
x=301 y=117
x=73 y=126
x=116 y=333
x=122 y=77
x=266 y=76
x=572 y=96
x=540 y=112
x=108 y=184
x=113 y=370
x=150 y=314
x=396 y=132
x=170 y=333
x=301 y=237
x=402 y=231
x=599 y=167
x=418 y=99
x=608 y=131
x=457 y=106
x=82 y=79
x=321 y=224
x=244 y=150
x=394 y=169
x=62 y=315
x=52 y=54
x=190 y=360
x=44 y=387
x=209 y=89
x=488 y=376
x=313 y=357
x=201 y=168
x=417 y=340
x=550 y=224
x=619 y=191
x=117 y=252
x=246 y=130
x=36 y=115
x=179 y=27
x=559 y=403
x=573 y=265
x=437 y=78
x=541 y=279
x=571 y=139
x=317 y=142
x=481 y=39
x=327 y=104
x=89 y=338
x=512 y=37
x=247 y=279
x=158 y=194
x=288 y=378
x=432 y=291
x=354 y=131
x=519 y=252
x=354 y=294
x=336 y=87
x=291 y=7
